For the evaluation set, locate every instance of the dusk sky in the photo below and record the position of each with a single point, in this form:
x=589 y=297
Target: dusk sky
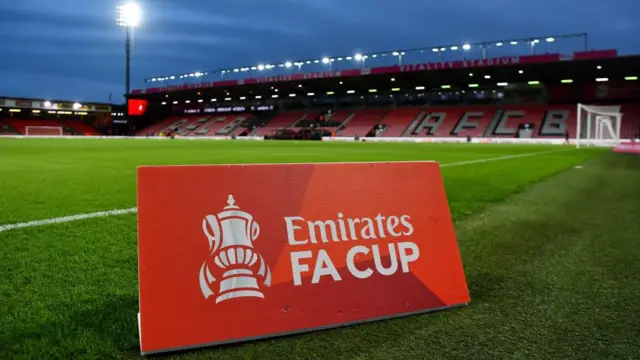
x=72 y=50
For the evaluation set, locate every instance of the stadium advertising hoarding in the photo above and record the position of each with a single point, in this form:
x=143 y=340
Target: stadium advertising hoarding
x=193 y=110
x=253 y=251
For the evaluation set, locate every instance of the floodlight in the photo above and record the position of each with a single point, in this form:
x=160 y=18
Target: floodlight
x=599 y=67
x=374 y=55
x=435 y=50
x=274 y=96
x=187 y=101
x=395 y=53
x=47 y=104
x=358 y=57
x=473 y=85
x=243 y=97
x=316 y=61
x=287 y=64
x=325 y=60
x=454 y=48
x=514 y=43
x=466 y=47
x=76 y=106
x=534 y=82
x=503 y=84
x=234 y=70
x=308 y=62
x=260 y=67
x=443 y=49
x=351 y=91
x=470 y=74
x=258 y=96
x=292 y=95
x=499 y=44
x=395 y=89
x=310 y=94
x=566 y=81
x=393 y=79
x=487 y=76
x=339 y=59
x=602 y=79
x=419 y=87
x=550 y=39
x=129 y=15
x=535 y=41
x=200 y=100
x=520 y=72
x=631 y=78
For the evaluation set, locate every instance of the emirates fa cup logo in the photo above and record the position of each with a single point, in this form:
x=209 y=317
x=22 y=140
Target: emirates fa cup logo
x=231 y=234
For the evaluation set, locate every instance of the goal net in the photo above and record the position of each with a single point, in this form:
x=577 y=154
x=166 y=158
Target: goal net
x=598 y=125
x=43 y=131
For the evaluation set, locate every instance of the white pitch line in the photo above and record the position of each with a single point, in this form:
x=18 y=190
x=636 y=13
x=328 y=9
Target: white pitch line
x=134 y=210
x=502 y=158
x=67 y=219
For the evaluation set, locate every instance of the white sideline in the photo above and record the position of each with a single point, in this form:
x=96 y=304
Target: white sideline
x=67 y=219
x=133 y=210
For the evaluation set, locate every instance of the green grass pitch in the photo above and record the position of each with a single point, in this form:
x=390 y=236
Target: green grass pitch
x=551 y=252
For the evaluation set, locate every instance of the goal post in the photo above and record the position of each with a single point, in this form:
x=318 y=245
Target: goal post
x=43 y=131
x=598 y=125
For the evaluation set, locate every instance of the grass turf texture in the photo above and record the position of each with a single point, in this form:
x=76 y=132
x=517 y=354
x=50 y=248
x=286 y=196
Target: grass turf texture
x=549 y=251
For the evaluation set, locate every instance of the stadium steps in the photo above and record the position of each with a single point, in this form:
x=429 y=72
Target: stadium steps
x=361 y=122
x=6 y=129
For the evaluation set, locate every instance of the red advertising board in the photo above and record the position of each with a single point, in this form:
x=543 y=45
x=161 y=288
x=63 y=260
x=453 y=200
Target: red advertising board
x=253 y=251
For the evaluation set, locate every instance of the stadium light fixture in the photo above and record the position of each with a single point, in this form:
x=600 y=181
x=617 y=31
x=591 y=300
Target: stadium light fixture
x=550 y=39
x=602 y=79
x=288 y=64
x=325 y=60
x=351 y=91
x=357 y=57
x=258 y=97
x=374 y=56
x=395 y=89
x=187 y=102
x=275 y=96
x=534 y=82
x=514 y=43
x=214 y=100
x=227 y=99
x=441 y=49
x=15 y=110
x=470 y=74
x=395 y=53
x=503 y=84
x=419 y=87
x=310 y=94
x=129 y=15
x=373 y=90
x=566 y=81
x=466 y=47
x=520 y=72
x=473 y=85
x=446 y=86
x=349 y=57
x=487 y=76
x=200 y=100
x=172 y=77
x=631 y=78
x=316 y=61
x=393 y=79
x=499 y=44
x=236 y=70
x=330 y=92
x=339 y=59
x=435 y=50
x=599 y=67
x=308 y=62
x=76 y=106
x=163 y=103
x=454 y=48
x=243 y=98
x=175 y=102
x=260 y=67
x=47 y=104
x=292 y=95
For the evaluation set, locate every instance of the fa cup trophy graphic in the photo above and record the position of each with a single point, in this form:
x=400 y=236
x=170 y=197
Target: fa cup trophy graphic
x=231 y=234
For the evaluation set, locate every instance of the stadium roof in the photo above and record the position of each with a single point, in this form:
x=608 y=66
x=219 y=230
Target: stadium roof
x=489 y=73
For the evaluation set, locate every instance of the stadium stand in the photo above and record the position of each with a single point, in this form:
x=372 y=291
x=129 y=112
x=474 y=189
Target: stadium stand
x=5 y=129
x=282 y=120
x=362 y=122
x=398 y=120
